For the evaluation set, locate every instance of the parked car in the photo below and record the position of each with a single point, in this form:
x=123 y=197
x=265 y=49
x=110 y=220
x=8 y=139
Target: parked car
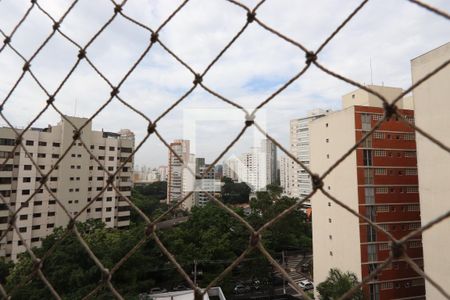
x=241 y=289
x=180 y=287
x=157 y=290
x=306 y=285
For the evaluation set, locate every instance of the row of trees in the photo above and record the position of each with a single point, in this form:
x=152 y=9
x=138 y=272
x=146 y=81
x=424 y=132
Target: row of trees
x=211 y=239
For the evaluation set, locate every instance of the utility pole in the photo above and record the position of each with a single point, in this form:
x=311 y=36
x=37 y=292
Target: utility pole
x=284 y=266
x=195 y=272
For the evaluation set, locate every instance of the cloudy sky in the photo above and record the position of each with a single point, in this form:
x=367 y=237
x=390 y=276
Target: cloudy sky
x=389 y=33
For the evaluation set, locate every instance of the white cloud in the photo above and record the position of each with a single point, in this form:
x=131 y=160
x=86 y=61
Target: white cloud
x=389 y=33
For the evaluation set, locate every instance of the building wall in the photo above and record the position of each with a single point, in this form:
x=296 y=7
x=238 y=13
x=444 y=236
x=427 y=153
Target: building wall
x=361 y=97
x=299 y=180
x=388 y=195
x=75 y=182
x=432 y=108
x=336 y=239
x=180 y=180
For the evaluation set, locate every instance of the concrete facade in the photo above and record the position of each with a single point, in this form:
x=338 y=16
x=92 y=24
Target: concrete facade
x=299 y=184
x=432 y=110
x=180 y=181
x=77 y=180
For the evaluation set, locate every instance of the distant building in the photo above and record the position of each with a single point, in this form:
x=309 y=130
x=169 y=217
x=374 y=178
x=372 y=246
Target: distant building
x=258 y=167
x=209 y=183
x=378 y=180
x=76 y=181
x=231 y=168
x=432 y=110
x=180 y=180
x=163 y=172
x=286 y=164
x=299 y=184
x=269 y=152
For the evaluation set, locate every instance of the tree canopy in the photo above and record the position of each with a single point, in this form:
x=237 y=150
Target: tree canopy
x=235 y=193
x=337 y=284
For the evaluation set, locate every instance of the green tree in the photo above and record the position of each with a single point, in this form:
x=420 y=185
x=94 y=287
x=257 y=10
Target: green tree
x=337 y=284
x=234 y=193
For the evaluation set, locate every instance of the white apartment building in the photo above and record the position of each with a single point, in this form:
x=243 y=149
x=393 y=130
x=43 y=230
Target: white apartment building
x=180 y=181
x=209 y=183
x=432 y=111
x=299 y=184
x=258 y=167
x=286 y=164
x=163 y=172
x=231 y=168
x=76 y=181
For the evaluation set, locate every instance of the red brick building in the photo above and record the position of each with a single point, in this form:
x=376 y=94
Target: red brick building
x=379 y=180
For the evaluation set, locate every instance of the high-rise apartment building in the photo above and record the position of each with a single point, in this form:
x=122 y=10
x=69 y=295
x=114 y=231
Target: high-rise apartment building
x=284 y=173
x=209 y=183
x=76 y=181
x=300 y=184
x=163 y=171
x=231 y=168
x=378 y=180
x=432 y=110
x=269 y=153
x=180 y=180
x=258 y=167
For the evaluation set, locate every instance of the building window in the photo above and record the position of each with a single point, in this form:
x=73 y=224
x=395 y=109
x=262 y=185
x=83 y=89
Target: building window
x=22 y=229
x=36 y=227
x=414 y=226
x=378 y=135
x=29 y=143
x=382 y=190
x=409 y=136
x=41 y=155
x=56 y=144
x=380 y=171
x=413 y=207
x=7 y=142
x=51 y=202
x=384 y=246
x=366 y=121
x=412 y=189
x=42 y=143
x=372 y=252
x=50 y=225
x=27 y=167
x=367 y=157
x=377 y=117
x=382 y=208
x=51 y=213
x=386 y=285
x=415 y=244
x=380 y=153
x=410 y=154
x=410 y=172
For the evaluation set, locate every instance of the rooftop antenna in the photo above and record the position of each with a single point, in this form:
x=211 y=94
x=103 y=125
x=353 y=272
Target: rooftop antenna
x=371 y=71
